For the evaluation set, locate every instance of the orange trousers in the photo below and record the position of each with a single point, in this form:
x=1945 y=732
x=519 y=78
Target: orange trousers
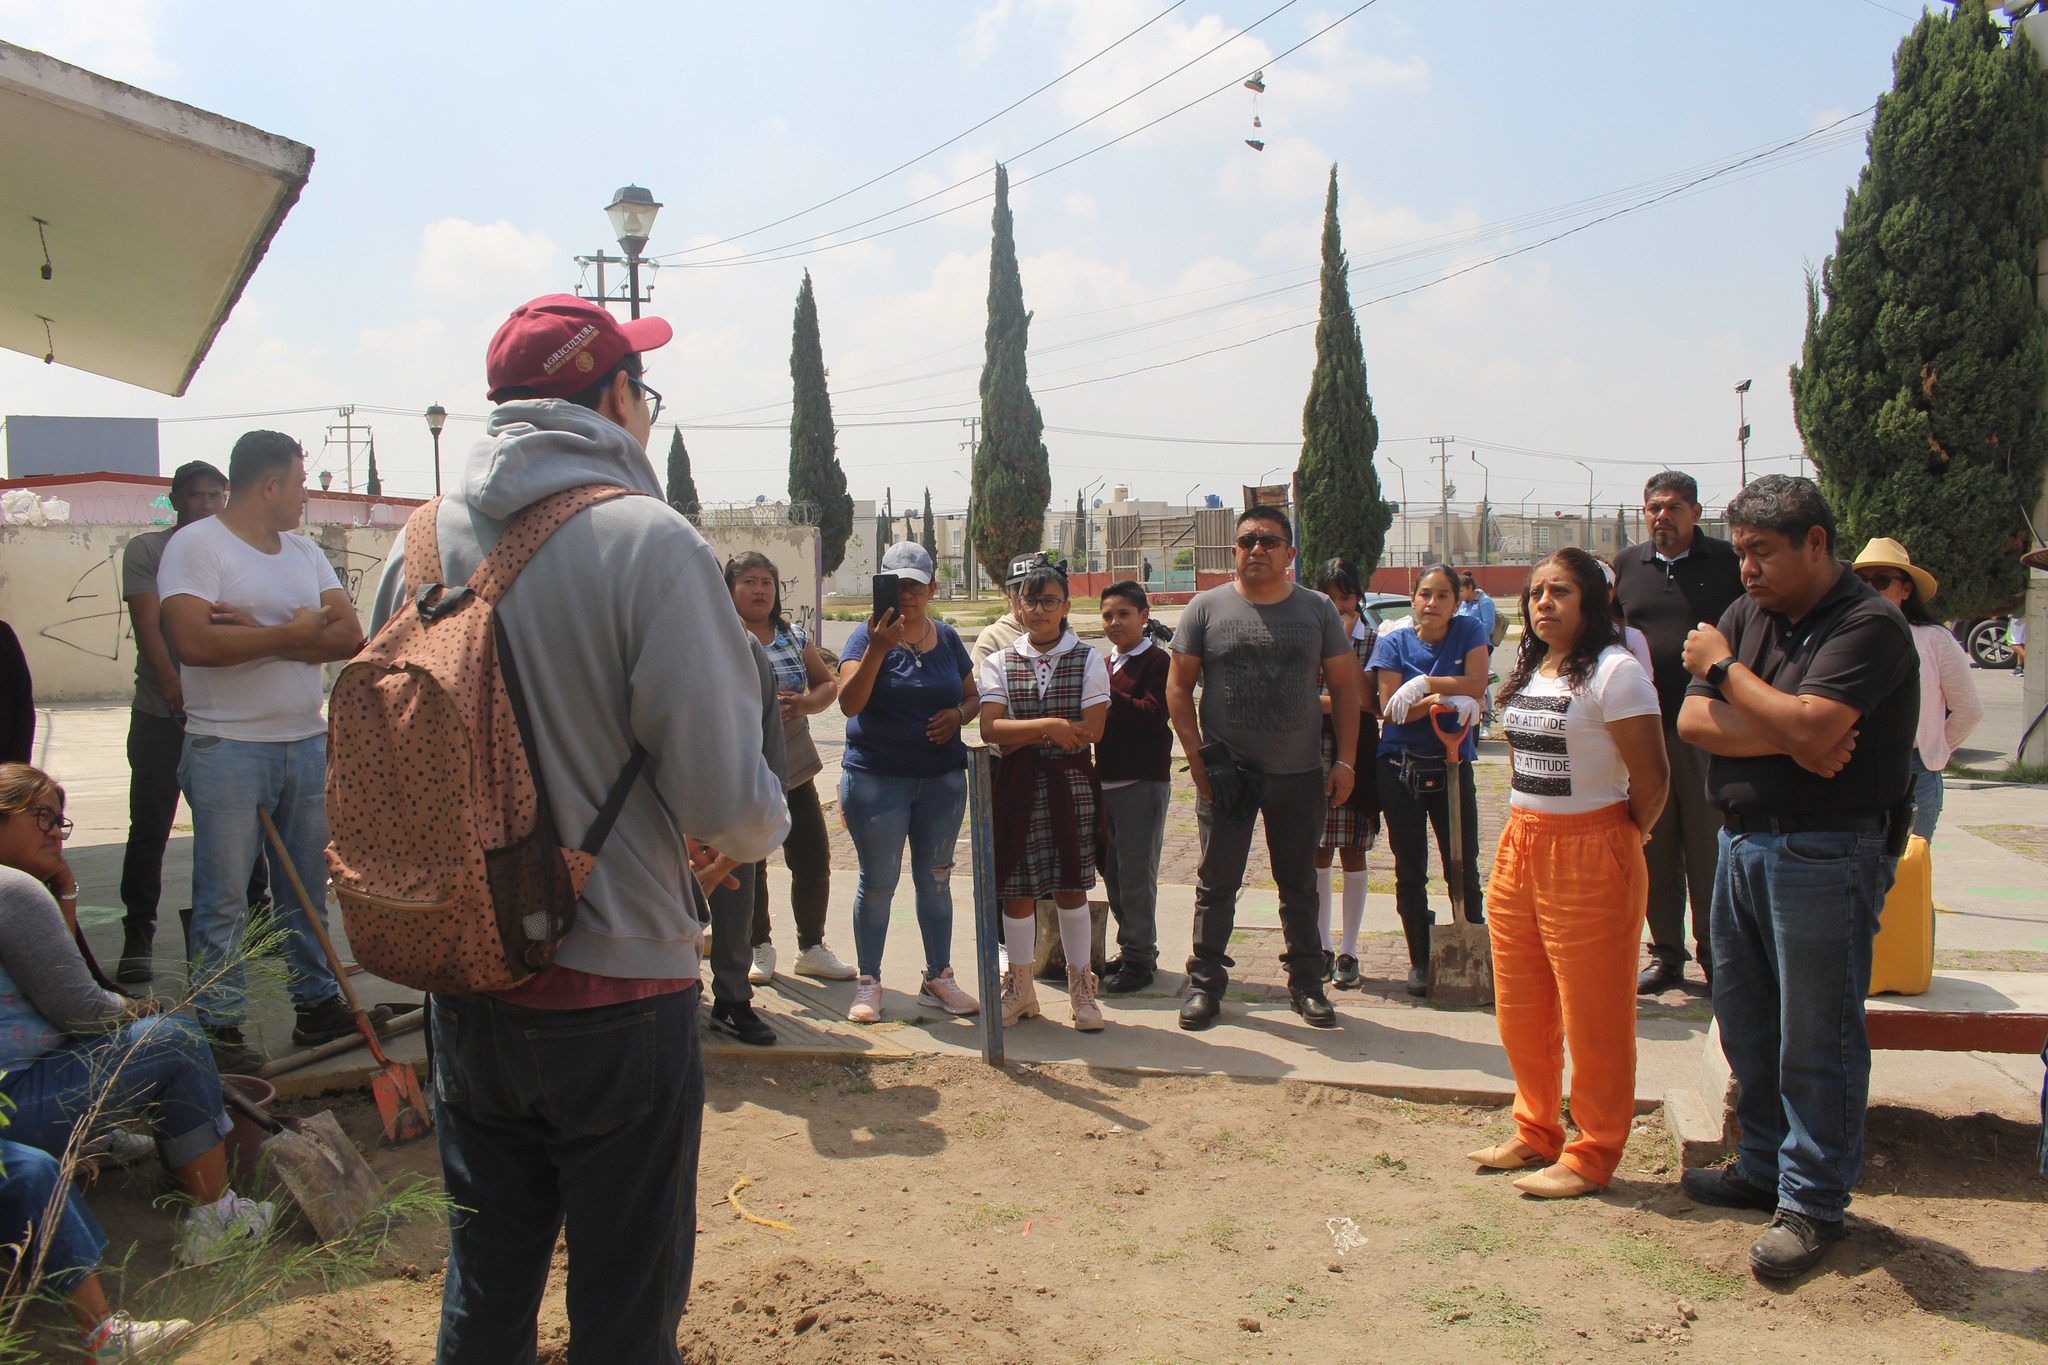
x=1565 y=914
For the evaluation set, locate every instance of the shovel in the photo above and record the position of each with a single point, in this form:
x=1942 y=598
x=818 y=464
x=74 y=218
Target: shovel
x=1460 y=954
x=396 y=1087
x=327 y=1176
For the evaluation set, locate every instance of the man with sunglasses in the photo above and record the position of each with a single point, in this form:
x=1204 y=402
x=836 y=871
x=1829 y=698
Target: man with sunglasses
x=574 y=1101
x=1261 y=646
x=1677 y=578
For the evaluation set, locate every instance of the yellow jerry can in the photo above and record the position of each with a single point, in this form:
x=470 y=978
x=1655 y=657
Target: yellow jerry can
x=1902 y=958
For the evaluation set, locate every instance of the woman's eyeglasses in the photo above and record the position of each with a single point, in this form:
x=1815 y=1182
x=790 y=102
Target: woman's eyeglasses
x=50 y=822
x=1265 y=541
x=653 y=398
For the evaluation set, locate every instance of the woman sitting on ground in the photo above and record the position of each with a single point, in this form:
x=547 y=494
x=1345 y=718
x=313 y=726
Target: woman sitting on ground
x=75 y=1055
x=1570 y=885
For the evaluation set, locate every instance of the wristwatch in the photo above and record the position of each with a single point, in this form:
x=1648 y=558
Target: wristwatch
x=1718 y=674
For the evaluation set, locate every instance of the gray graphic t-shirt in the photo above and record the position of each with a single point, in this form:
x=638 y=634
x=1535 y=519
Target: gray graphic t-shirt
x=1262 y=672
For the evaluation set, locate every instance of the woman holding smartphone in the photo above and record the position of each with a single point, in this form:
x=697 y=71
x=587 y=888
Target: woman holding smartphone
x=906 y=685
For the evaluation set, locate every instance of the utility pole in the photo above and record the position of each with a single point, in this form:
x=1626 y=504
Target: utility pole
x=1443 y=466
x=970 y=445
x=1742 y=428
x=348 y=429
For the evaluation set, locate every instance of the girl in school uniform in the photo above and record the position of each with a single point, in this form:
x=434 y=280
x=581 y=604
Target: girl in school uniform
x=1043 y=702
x=1352 y=828
x=1569 y=882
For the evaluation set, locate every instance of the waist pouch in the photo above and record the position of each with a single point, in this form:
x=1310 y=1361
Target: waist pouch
x=1423 y=774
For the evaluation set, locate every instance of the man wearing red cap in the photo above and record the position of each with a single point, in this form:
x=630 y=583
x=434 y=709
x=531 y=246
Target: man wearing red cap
x=576 y=1098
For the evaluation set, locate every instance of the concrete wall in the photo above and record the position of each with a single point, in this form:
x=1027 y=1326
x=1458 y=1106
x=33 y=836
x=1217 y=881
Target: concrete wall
x=796 y=553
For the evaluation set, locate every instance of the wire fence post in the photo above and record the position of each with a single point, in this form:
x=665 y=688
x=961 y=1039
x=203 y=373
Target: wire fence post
x=988 y=935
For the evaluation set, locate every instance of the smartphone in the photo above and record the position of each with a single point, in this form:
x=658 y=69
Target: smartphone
x=888 y=594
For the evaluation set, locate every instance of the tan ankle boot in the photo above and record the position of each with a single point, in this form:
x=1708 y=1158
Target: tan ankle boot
x=1081 y=986
x=1020 y=995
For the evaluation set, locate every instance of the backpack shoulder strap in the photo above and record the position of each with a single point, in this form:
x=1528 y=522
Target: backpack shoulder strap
x=423 y=546
x=529 y=530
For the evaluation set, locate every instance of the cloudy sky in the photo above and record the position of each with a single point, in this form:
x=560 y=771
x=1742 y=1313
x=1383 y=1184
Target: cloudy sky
x=464 y=153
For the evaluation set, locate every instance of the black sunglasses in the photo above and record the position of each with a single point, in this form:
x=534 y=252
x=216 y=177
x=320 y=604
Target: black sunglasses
x=1881 y=581
x=1260 y=541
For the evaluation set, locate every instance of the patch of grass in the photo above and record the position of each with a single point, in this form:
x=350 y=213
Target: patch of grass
x=1222 y=1233
x=988 y=1123
x=1167 y=1255
x=1379 y=1163
x=1287 y=1299
x=1509 y=1324
x=982 y=1217
x=2011 y=772
x=1674 y=1272
x=1447 y=1242
x=858 y=1083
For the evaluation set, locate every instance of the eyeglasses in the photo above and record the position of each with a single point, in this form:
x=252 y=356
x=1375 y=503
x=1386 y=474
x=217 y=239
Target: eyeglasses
x=653 y=398
x=1882 y=581
x=50 y=822
x=1264 y=541
x=1043 y=603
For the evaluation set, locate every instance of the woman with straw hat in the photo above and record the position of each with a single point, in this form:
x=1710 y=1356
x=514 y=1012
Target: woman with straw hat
x=1949 y=705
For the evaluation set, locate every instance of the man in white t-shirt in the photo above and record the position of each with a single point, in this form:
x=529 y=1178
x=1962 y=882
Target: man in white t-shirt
x=252 y=613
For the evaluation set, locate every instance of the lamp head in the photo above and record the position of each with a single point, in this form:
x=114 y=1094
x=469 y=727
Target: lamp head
x=437 y=417
x=632 y=212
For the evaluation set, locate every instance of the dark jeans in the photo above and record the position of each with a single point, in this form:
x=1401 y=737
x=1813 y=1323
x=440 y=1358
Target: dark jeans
x=1408 y=821
x=732 y=912
x=1794 y=916
x=1292 y=805
x=589 y=1116
x=155 y=744
x=1683 y=851
x=1130 y=866
x=807 y=853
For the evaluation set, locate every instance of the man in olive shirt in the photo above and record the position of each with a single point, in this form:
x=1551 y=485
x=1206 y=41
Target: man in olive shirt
x=1677 y=578
x=1261 y=646
x=1807 y=697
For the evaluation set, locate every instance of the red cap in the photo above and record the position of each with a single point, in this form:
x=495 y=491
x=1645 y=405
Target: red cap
x=558 y=345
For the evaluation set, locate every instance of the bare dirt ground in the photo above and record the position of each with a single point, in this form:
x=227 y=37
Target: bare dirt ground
x=944 y=1211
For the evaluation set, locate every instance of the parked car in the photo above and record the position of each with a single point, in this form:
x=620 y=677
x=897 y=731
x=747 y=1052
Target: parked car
x=1983 y=638
x=1381 y=608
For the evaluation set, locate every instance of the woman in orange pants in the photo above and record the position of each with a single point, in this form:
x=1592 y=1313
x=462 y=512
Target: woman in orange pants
x=1569 y=883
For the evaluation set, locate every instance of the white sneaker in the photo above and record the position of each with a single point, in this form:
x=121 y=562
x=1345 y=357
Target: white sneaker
x=867 y=1002
x=121 y=1337
x=207 y=1234
x=822 y=963
x=942 y=992
x=763 y=970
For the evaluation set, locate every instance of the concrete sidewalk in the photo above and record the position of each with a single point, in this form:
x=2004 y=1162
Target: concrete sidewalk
x=1384 y=1044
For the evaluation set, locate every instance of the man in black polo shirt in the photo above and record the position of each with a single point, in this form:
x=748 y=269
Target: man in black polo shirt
x=1677 y=578
x=1806 y=696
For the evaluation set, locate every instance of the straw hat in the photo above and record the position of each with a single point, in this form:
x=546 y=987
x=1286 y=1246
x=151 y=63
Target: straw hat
x=1885 y=553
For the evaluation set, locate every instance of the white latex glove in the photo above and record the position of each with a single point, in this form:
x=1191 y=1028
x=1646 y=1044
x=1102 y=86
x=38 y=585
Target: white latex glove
x=1467 y=708
x=1405 y=697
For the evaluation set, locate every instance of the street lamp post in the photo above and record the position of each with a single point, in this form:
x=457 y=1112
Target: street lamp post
x=437 y=417
x=1589 y=503
x=1404 y=508
x=1188 y=498
x=1742 y=428
x=1485 y=501
x=632 y=213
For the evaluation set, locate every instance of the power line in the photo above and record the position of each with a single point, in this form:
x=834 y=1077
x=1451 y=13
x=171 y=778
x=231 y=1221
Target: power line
x=934 y=150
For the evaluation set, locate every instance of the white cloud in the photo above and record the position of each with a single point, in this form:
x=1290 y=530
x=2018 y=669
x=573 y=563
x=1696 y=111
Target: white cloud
x=459 y=258
x=1078 y=205
x=116 y=38
x=984 y=31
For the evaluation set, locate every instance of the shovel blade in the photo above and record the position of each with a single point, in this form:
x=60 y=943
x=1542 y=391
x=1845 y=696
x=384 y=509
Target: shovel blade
x=401 y=1104
x=326 y=1174
x=1460 y=965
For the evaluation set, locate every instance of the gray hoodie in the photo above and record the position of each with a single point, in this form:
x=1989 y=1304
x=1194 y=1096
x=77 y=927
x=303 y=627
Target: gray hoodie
x=623 y=631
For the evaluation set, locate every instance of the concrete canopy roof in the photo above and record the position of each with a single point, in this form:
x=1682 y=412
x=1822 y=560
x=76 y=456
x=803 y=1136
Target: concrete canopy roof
x=154 y=213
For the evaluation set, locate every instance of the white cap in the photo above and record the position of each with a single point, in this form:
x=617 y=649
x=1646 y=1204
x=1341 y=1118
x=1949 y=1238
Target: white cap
x=908 y=559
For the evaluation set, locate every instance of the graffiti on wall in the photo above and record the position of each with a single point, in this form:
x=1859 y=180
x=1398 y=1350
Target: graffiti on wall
x=98 y=619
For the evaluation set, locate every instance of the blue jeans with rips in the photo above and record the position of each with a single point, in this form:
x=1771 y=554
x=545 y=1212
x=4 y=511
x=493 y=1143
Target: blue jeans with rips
x=882 y=814
x=587 y=1118
x=69 y=1246
x=159 y=1067
x=225 y=781
x=1794 y=917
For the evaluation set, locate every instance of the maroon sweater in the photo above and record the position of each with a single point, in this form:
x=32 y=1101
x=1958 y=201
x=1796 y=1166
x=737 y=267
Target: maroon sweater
x=1136 y=744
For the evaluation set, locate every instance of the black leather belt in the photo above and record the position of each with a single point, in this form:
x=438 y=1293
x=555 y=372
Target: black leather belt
x=1805 y=824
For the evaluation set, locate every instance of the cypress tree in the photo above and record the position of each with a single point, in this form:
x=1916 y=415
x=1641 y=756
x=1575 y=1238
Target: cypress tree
x=930 y=538
x=374 y=483
x=1342 y=512
x=682 y=485
x=1919 y=389
x=1012 y=475
x=814 y=473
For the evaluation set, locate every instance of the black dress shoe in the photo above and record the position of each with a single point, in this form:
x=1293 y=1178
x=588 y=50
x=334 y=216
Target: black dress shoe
x=1661 y=975
x=738 y=1020
x=136 y=965
x=1347 y=972
x=1125 y=977
x=1329 y=966
x=1723 y=1188
x=1418 y=983
x=1199 y=1010
x=1792 y=1245
x=1312 y=1005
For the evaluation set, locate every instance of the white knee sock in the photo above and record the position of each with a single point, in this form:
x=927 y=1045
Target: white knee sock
x=1020 y=936
x=1323 y=904
x=1354 y=909
x=1077 y=937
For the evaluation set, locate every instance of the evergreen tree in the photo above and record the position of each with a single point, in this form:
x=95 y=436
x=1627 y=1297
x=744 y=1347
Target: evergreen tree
x=682 y=485
x=930 y=538
x=1919 y=389
x=1342 y=512
x=814 y=473
x=374 y=484
x=1012 y=474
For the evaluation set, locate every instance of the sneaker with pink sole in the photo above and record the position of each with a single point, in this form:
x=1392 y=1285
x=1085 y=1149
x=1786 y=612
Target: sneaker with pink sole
x=867 y=1001
x=942 y=992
